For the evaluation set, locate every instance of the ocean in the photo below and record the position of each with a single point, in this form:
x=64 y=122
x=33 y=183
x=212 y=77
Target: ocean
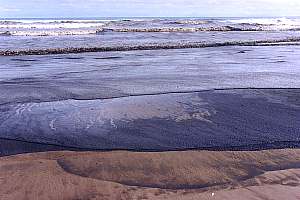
x=149 y=84
x=140 y=33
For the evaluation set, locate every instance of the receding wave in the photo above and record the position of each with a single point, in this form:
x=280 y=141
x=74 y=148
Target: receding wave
x=287 y=41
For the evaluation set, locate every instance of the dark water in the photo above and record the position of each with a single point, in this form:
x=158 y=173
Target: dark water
x=215 y=120
x=242 y=95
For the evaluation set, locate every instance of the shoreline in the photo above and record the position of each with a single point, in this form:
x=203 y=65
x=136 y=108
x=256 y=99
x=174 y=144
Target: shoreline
x=26 y=147
x=170 y=175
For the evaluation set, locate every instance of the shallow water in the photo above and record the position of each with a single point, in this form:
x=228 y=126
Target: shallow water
x=114 y=74
x=219 y=120
x=242 y=95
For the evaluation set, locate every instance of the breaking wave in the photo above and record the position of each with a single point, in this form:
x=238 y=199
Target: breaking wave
x=85 y=27
x=136 y=30
x=50 y=24
x=47 y=33
x=192 y=29
x=287 y=41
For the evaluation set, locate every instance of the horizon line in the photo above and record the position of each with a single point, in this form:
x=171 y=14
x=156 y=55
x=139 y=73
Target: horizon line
x=279 y=16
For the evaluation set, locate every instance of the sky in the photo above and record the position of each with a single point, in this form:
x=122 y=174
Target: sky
x=147 y=8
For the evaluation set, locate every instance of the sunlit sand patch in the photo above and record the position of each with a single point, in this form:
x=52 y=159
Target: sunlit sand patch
x=271 y=174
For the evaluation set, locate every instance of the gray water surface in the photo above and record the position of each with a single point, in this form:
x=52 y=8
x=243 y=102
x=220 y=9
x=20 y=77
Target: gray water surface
x=151 y=100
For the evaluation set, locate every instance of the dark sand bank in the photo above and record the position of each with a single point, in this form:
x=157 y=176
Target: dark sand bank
x=245 y=119
x=271 y=174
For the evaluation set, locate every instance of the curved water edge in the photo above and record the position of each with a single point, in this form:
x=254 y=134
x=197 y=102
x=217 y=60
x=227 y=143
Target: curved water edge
x=183 y=45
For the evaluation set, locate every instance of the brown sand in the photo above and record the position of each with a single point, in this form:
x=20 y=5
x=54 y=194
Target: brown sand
x=272 y=174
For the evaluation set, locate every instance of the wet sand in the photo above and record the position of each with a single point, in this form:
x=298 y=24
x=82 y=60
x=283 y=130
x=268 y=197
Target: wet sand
x=185 y=175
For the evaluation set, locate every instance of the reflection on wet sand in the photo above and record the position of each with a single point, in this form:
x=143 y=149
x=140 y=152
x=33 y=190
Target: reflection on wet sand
x=241 y=119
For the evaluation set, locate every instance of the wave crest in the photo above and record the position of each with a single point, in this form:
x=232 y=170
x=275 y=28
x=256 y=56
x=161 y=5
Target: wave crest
x=81 y=27
x=287 y=41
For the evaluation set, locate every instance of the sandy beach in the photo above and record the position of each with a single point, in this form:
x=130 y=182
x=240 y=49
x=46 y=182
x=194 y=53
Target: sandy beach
x=270 y=174
x=149 y=108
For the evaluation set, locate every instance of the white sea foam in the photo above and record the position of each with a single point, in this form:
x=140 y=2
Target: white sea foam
x=269 y=23
x=266 y=21
x=52 y=33
x=50 y=24
x=60 y=27
x=27 y=21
